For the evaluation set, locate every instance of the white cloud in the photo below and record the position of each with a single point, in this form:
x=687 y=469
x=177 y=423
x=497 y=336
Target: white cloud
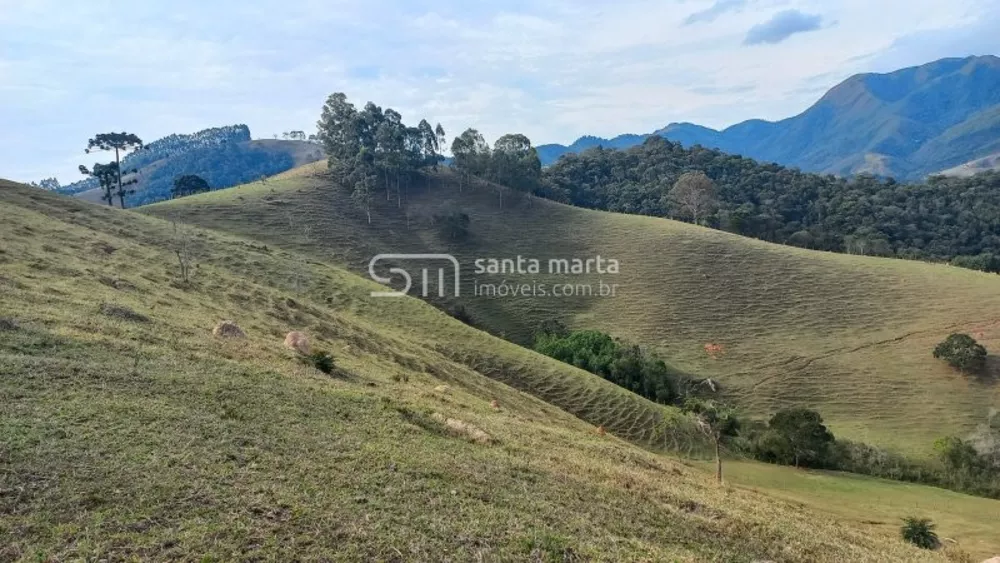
x=553 y=69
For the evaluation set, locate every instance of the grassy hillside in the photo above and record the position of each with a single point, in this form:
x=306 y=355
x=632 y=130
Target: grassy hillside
x=129 y=431
x=849 y=335
x=991 y=162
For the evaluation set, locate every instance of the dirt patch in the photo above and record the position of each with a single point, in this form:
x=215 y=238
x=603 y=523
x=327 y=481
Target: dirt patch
x=119 y=284
x=464 y=429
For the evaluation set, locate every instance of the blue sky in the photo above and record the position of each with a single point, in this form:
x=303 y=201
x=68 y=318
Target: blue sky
x=552 y=69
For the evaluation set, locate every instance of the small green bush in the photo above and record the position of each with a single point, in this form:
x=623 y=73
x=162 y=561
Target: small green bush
x=963 y=352
x=321 y=361
x=454 y=226
x=123 y=313
x=920 y=532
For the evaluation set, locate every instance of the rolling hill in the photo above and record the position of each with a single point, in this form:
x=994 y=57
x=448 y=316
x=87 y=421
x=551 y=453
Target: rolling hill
x=973 y=167
x=223 y=156
x=848 y=335
x=130 y=432
x=906 y=124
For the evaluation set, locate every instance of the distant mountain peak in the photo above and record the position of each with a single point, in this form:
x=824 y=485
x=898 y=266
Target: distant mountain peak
x=906 y=123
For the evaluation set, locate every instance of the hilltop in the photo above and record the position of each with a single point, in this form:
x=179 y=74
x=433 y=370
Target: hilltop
x=905 y=124
x=131 y=432
x=223 y=156
x=848 y=335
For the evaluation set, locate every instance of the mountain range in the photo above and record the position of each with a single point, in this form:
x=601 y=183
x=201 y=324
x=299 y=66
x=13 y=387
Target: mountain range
x=906 y=124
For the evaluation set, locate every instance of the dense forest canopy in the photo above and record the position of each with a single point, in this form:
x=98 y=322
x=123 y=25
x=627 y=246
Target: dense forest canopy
x=177 y=144
x=942 y=219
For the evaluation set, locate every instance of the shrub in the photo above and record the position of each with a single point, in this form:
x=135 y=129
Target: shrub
x=460 y=314
x=986 y=262
x=963 y=352
x=623 y=364
x=228 y=329
x=866 y=459
x=454 y=226
x=321 y=361
x=123 y=313
x=552 y=327
x=920 y=532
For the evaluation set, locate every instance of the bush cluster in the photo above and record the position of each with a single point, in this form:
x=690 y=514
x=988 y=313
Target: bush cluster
x=798 y=437
x=623 y=364
x=963 y=352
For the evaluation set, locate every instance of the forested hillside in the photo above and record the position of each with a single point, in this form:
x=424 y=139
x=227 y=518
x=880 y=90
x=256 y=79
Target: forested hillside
x=941 y=219
x=221 y=166
x=223 y=156
x=169 y=146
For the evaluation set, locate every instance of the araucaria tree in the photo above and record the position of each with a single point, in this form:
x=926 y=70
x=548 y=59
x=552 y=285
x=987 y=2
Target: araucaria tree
x=120 y=143
x=373 y=146
x=106 y=176
x=716 y=421
x=694 y=195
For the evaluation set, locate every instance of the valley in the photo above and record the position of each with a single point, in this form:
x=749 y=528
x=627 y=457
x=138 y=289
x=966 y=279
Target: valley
x=850 y=336
x=130 y=431
x=398 y=323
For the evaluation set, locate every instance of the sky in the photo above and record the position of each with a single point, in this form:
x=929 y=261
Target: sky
x=551 y=69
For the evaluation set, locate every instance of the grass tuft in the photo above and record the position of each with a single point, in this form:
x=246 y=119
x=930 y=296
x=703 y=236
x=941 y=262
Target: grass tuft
x=122 y=313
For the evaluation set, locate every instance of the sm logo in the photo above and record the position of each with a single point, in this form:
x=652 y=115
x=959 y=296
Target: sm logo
x=443 y=262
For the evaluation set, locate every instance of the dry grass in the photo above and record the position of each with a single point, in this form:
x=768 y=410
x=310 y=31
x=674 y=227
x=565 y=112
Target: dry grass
x=155 y=441
x=850 y=336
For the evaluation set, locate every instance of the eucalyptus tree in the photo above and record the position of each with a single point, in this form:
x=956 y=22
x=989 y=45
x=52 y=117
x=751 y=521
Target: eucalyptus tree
x=515 y=164
x=471 y=155
x=373 y=145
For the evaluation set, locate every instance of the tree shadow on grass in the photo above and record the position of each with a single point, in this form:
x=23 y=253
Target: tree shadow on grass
x=991 y=373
